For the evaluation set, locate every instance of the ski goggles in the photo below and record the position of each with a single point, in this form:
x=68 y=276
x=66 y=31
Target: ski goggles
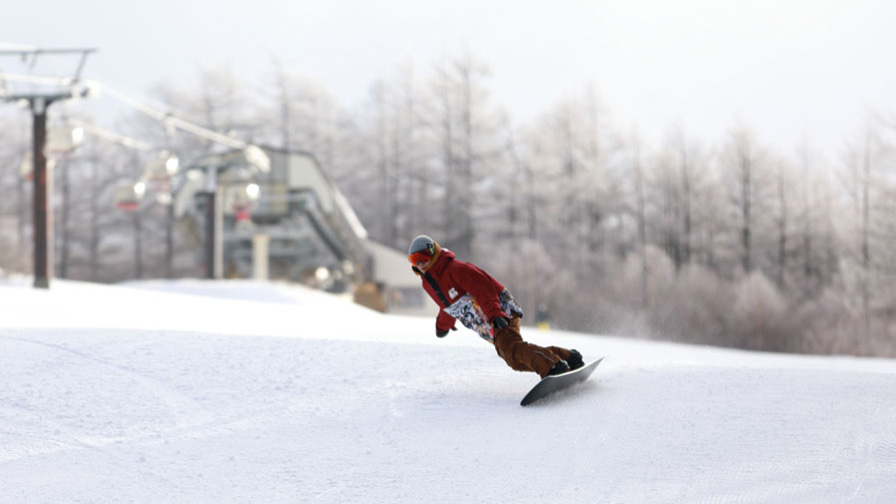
x=419 y=257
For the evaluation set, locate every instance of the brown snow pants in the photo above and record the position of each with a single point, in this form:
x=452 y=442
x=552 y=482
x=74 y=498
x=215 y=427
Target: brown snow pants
x=523 y=356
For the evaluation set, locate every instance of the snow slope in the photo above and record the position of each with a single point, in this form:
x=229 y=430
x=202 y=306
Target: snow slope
x=237 y=392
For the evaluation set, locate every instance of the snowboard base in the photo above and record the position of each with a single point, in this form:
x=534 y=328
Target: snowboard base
x=552 y=384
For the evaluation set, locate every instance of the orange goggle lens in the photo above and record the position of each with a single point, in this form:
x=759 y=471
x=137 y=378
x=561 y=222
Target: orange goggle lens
x=419 y=257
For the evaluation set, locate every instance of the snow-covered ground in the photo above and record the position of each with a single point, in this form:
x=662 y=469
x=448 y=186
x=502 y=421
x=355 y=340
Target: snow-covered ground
x=239 y=392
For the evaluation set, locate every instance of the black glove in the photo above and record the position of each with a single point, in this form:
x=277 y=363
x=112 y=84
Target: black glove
x=500 y=322
x=442 y=334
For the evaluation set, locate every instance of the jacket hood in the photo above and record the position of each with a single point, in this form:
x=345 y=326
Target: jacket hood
x=445 y=256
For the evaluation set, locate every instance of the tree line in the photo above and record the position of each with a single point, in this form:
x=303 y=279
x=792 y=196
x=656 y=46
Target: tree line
x=722 y=241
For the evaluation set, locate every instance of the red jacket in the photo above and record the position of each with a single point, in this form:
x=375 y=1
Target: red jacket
x=449 y=279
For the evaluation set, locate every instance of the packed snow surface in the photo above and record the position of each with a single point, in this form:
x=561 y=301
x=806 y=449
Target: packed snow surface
x=239 y=392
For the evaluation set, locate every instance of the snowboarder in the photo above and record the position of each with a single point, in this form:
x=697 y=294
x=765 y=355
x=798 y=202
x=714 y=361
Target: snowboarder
x=467 y=293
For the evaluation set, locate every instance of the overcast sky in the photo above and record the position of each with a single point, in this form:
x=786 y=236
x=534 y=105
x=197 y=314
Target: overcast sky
x=783 y=67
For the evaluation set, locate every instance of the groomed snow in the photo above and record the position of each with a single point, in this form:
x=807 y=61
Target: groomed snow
x=244 y=392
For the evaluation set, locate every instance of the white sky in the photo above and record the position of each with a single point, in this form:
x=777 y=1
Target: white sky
x=783 y=67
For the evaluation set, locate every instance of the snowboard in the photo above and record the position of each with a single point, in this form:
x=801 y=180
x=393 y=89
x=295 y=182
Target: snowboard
x=551 y=384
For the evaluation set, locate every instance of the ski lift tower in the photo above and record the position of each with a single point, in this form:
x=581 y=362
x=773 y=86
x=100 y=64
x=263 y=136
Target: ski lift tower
x=38 y=87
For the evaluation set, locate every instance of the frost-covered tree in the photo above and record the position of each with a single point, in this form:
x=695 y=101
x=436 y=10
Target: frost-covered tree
x=743 y=165
x=681 y=181
x=867 y=258
x=467 y=130
x=568 y=157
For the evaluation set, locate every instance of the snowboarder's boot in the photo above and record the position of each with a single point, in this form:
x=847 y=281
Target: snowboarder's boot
x=560 y=367
x=575 y=360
